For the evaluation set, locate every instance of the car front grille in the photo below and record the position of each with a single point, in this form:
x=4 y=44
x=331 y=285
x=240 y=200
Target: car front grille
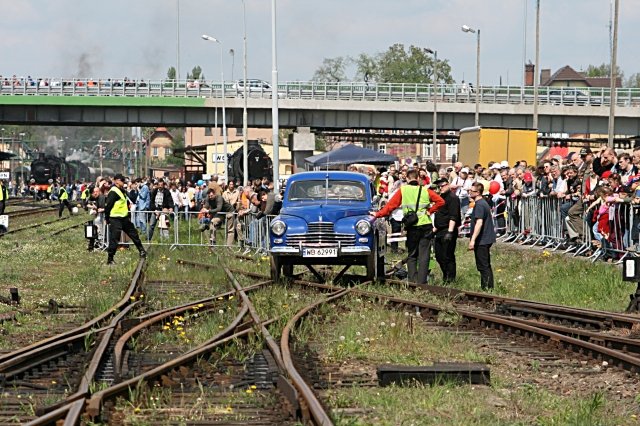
x=321 y=233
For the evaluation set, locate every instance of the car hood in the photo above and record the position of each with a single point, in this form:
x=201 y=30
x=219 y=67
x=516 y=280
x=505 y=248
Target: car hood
x=324 y=212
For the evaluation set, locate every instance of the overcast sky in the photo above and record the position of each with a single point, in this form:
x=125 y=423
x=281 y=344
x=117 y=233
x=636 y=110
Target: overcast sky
x=138 y=38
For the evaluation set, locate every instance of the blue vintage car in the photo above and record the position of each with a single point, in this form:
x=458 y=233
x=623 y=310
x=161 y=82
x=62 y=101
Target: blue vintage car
x=325 y=221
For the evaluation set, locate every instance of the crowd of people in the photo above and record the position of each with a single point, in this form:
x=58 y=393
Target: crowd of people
x=157 y=203
x=586 y=199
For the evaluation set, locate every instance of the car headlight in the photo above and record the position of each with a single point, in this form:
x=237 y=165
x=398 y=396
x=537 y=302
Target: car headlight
x=278 y=227
x=363 y=227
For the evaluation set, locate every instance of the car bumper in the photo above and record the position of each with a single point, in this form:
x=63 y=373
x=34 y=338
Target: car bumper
x=342 y=251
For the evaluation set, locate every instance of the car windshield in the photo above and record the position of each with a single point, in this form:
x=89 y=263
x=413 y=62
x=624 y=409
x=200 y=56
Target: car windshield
x=317 y=190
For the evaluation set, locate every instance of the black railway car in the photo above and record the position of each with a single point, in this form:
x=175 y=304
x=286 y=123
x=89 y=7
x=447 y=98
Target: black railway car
x=47 y=168
x=260 y=164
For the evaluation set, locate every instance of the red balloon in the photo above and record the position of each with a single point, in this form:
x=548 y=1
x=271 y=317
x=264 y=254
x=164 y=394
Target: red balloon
x=494 y=187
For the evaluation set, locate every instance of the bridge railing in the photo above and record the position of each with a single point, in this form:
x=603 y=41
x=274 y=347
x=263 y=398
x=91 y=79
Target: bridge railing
x=335 y=91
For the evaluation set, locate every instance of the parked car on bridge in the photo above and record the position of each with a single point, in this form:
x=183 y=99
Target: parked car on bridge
x=571 y=96
x=325 y=220
x=255 y=88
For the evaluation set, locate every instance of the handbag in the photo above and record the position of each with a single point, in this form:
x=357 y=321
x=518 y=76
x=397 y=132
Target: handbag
x=411 y=217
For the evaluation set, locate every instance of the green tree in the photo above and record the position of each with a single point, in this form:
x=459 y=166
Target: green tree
x=412 y=65
x=171 y=73
x=366 y=67
x=602 y=70
x=633 y=80
x=332 y=70
x=196 y=73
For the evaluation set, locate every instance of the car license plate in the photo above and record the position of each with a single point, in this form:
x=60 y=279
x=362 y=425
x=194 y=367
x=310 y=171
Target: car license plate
x=320 y=252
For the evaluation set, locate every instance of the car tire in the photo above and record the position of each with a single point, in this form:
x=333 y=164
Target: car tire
x=287 y=270
x=372 y=266
x=375 y=264
x=276 y=268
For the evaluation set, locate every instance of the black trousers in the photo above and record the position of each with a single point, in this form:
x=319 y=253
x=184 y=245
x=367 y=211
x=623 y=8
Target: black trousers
x=446 y=255
x=483 y=265
x=396 y=227
x=117 y=225
x=64 y=203
x=419 y=248
x=2 y=204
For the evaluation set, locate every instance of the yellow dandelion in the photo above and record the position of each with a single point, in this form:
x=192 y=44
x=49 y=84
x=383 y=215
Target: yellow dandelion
x=182 y=333
x=179 y=328
x=200 y=305
x=229 y=410
x=136 y=410
x=220 y=298
x=142 y=296
x=231 y=297
x=220 y=326
x=285 y=305
x=166 y=327
x=53 y=382
x=254 y=387
x=249 y=391
x=132 y=298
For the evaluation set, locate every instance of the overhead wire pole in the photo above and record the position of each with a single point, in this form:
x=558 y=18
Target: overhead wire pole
x=177 y=40
x=467 y=29
x=536 y=70
x=613 y=76
x=245 y=142
x=274 y=101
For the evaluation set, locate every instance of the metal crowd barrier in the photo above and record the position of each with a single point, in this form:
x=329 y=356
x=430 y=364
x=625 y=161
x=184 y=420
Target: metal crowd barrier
x=554 y=225
x=193 y=228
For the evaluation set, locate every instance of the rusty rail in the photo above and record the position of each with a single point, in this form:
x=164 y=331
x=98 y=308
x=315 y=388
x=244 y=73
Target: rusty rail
x=22 y=355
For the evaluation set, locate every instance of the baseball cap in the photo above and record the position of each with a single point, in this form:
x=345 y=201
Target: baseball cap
x=504 y=164
x=119 y=176
x=586 y=151
x=441 y=181
x=495 y=166
x=527 y=177
x=464 y=170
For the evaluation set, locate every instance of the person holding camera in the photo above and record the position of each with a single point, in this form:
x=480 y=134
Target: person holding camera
x=418 y=204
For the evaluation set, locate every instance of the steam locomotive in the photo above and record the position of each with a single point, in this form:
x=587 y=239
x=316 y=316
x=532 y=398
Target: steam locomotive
x=260 y=164
x=47 y=168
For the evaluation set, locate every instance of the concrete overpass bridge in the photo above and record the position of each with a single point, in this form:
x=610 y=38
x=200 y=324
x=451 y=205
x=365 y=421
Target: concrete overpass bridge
x=321 y=106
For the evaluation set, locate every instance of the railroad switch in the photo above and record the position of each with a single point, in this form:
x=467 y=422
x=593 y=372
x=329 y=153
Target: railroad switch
x=15 y=296
x=439 y=372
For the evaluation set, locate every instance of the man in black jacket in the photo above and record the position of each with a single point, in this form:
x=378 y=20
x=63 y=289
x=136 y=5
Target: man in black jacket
x=220 y=211
x=161 y=201
x=116 y=213
x=446 y=223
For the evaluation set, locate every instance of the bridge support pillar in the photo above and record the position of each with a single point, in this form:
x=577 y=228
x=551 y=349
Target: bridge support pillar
x=302 y=142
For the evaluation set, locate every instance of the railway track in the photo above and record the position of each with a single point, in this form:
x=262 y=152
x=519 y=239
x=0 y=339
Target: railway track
x=276 y=385
x=47 y=373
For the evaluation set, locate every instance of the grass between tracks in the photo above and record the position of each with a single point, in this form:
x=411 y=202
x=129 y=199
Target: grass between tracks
x=58 y=268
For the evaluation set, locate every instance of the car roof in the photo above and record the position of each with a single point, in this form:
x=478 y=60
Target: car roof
x=332 y=174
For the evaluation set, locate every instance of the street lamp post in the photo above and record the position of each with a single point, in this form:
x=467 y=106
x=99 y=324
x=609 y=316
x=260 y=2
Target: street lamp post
x=435 y=102
x=613 y=76
x=274 y=101
x=232 y=53
x=224 y=117
x=536 y=70
x=468 y=29
x=245 y=140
